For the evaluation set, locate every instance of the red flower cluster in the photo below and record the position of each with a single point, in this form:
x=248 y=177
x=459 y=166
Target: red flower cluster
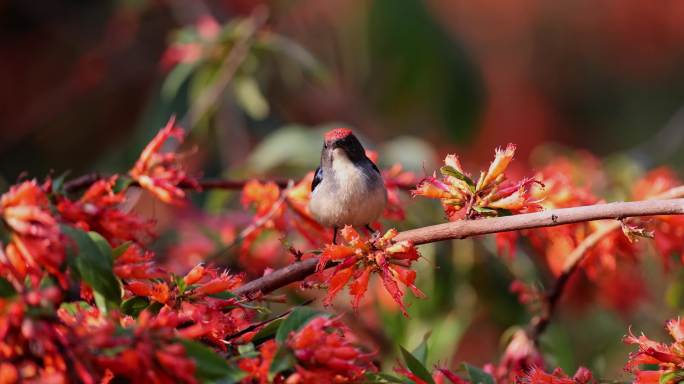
x=35 y=242
x=324 y=351
x=277 y=212
x=327 y=352
x=491 y=195
x=98 y=210
x=360 y=257
x=96 y=339
x=538 y=376
x=161 y=173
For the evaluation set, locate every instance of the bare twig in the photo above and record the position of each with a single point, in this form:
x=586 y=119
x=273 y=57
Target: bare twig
x=467 y=228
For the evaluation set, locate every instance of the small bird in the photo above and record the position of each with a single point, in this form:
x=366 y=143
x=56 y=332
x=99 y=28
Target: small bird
x=347 y=188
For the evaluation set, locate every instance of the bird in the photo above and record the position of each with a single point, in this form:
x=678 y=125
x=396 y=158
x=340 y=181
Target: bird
x=347 y=188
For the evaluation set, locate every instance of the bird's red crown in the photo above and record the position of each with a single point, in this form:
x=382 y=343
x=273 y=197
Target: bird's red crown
x=337 y=134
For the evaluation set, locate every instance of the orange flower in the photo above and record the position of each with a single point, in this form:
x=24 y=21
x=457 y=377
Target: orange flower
x=326 y=353
x=135 y=263
x=97 y=210
x=156 y=291
x=224 y=282
x=537 y=376
x=360 y=257
x=161 y=173
x=492 y=195
x=262 y=195
x=35 y=242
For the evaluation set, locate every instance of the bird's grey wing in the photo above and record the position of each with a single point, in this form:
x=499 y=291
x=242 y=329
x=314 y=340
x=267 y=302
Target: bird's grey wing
x=373 y=165
x=318 y=177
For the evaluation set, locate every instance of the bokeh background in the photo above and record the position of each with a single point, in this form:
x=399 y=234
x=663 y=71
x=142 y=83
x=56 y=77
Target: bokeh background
x=86 y=84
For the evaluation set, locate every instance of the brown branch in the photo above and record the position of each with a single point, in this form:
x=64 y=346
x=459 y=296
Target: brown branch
x=467 y=228
x=87 y=180
x=538 y=324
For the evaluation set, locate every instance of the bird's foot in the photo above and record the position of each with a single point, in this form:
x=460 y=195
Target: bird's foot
x=374 y=234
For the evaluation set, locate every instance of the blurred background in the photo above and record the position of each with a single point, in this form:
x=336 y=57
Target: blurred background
x=86 y=84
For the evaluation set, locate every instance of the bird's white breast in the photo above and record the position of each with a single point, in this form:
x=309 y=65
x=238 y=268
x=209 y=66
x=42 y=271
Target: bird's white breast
x=348 y=196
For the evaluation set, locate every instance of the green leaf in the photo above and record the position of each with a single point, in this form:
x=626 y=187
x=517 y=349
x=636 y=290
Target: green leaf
x=267 y=332
x=415 y=366
x=175 y=79
x=209 y=365
x=121 y=249
x=245 y=348
x=478 y=376
x=223 y=295
x=58 y=183
x=448 y=170
x=74 y=307
x=486 y=211
x=380 y=378
x=121 y=183
x=94 y=263
x=671 y=377
x=6 y=289
x=134 y=305
x=282 y=361
x=249 y=97
x=296 y=320
x=421 y=351
x=181 y=284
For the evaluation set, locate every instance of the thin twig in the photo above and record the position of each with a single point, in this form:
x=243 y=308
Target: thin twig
x=467 y=228
x=262 y=323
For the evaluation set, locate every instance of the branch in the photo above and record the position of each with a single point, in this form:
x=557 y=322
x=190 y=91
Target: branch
x=87 y=180
x=539 y=324
x=467 y=228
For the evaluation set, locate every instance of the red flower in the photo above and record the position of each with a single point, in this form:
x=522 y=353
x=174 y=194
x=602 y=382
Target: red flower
x=257 y=368
x=326 y=353
x=668 y=358
x=158 y=292
x=97 y=210
x=358 y=258
x=492 y=195
x=35 y=243
x=222 y=283
x=135 y=263
x=538 y=376
x=668 y=231
x=161 y=173
x=520 y=356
